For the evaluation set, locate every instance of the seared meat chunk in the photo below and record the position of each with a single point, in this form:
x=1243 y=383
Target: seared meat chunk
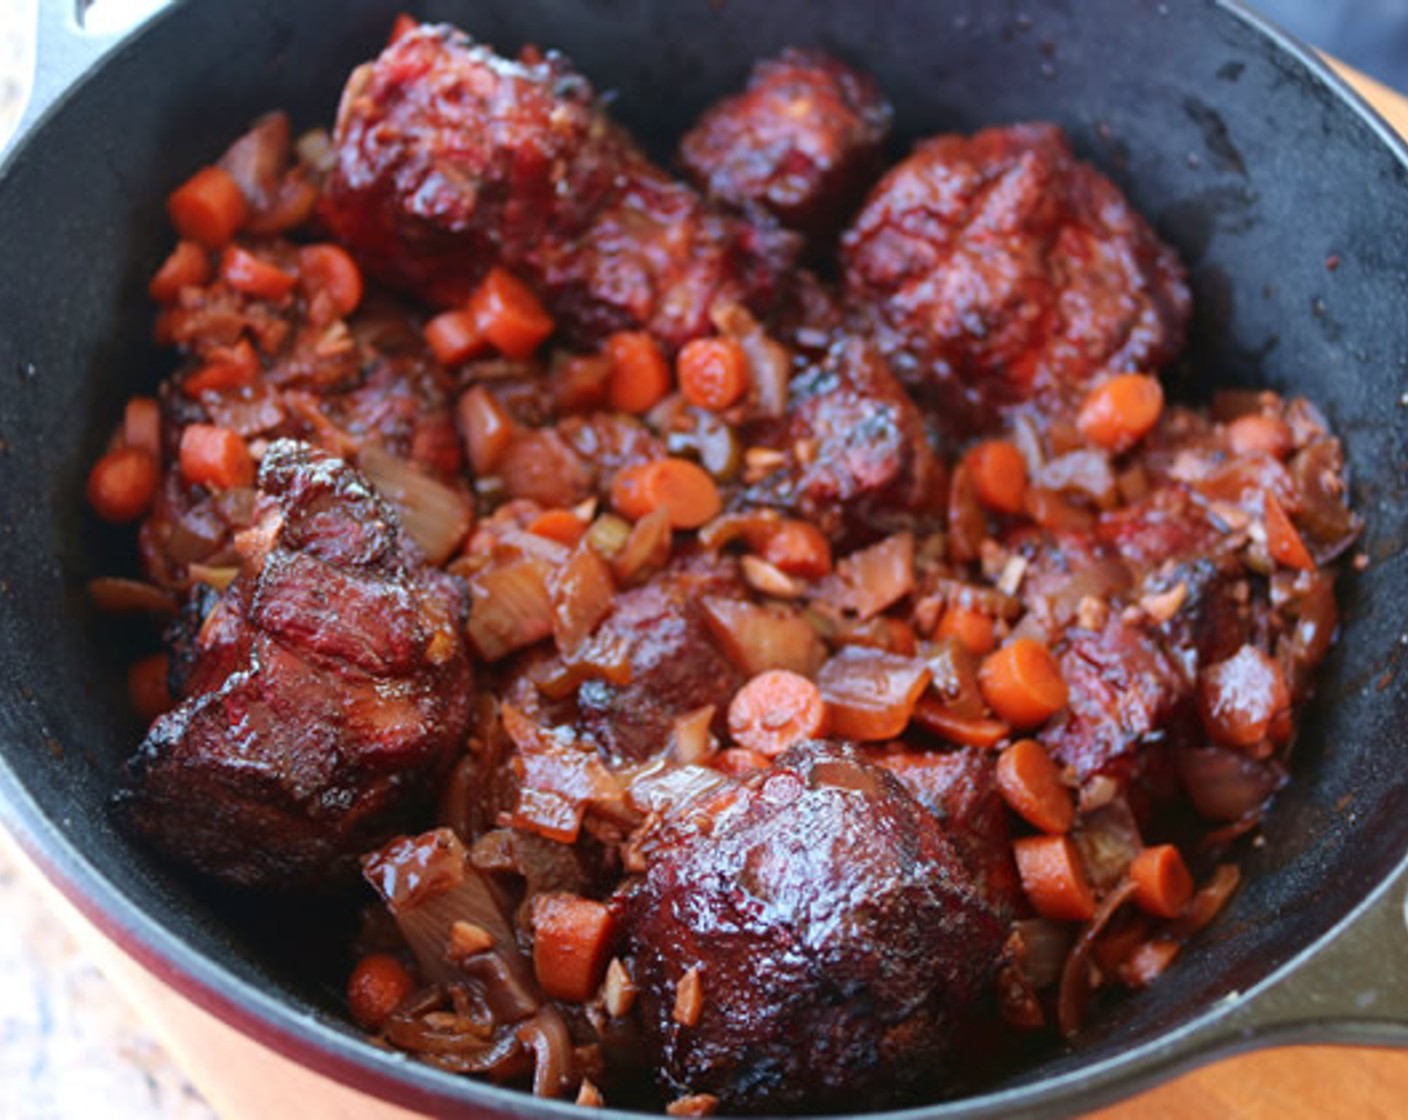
x=670 y=665
x=856 y=458
x=960 y=788
x=802 y=141
x=328 y=683
x=997 y=268
x=836 y=938
x=451 y=159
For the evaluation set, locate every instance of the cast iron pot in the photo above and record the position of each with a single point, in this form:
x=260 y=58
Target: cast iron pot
x=1243 y=150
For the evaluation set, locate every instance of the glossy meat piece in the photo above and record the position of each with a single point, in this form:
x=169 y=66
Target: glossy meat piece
x=959 y=788
x=329 y=682
x=451 y=159
x=857 y=459
x=802 y=141
x=837 y=938
x=998 y=268
x=674 y=666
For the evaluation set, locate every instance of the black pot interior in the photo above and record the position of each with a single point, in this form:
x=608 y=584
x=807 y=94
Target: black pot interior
x=1244 y=160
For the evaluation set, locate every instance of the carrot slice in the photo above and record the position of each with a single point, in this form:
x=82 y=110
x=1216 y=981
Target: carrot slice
x=999 y=475
x=798 y=548
x=1031 y=784
x=571 y=944
x=245 y=272
x=123 y=483
x=682 y=489
x=228 y=367
x=1283 y=539
x=561 y=525
x=973 y=630
x=1022 y=683
x=713 y=372
x=378 y=983
x=187 y=265
x=330 y=270
x=141 y=425
x=453 y=337
x=1118 y=413
x=215 y=457
x=509 y=315
x=776 y=710
x=148 y=687
x=948 y=724
x=1162 y=884
x=208 y=207
x=640 y=375
x=1053 y=878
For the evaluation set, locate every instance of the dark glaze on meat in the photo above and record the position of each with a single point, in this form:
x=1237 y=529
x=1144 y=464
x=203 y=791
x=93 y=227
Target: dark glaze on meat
x=802 y=141
x=329 y=683
x=451 y=159
x=838 y=939
x=996 y=268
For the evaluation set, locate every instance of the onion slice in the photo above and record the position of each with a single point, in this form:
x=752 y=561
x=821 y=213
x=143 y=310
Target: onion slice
x=436 y=517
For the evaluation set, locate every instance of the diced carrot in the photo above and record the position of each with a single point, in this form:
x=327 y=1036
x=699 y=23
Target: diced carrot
x=798 y=548
x=188 y=264
x=1118 y=413
x=999 y=475
x=1053 y=878
x=1022 y=683
x=215 y=457
x=453 y=337
x=208 y=207
x=330 y=269
x=123 y=483
x=487 y=429
x=141 y=425
x=571 y=945
x=640 y=375
x=739 y=762
x=227 y=367
x=682 y=489
x=561 y=525
x=1283 y=539
x=378 y=983
x=401 y=26
x=1254 y=432
x=943 y=721
x=1162 y=884
x=1031 y=784
x=245 y=272
x=776 y=710
x=148 y=687
x=1148 y=962
x=973 y=629
x=509 y=315
x=713 y=372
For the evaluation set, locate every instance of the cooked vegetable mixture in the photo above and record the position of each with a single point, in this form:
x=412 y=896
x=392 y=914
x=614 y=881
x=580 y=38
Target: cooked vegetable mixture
x=759 y=636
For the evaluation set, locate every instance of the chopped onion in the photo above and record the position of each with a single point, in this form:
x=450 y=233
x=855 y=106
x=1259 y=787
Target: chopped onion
x=769 y=364
x=757 y=637
x=870 y=580
x=646 y=549
x=955 y=678
x=217 y=577
x=315 y=149
x=428 y=884
x=1086 y=472
x=1075 y=975
x=114 y=595
x=608 y=534
x=509 y=608
x=1046 y=942
x=436 y=517
x=1108 y=840
x=554 y=1061
x=581 y=593
x=871 y=694
x=691 y=742
x=1207 y=901
x=752 y=526
x=1226 y=784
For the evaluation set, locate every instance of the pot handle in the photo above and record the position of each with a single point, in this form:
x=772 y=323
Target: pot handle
x=67 y=47
x=1351 y=988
